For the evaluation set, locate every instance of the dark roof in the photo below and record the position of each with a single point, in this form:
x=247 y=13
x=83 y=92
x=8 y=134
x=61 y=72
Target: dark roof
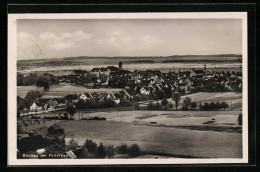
x=118 y=95
x=199 y=71
x=113 y=68
x=38 y=103
x=32 y=143
x=130 y=91
x=103 y=69
x=95 y=70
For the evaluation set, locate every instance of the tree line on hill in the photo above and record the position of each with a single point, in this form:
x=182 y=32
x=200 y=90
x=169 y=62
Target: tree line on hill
x=187 y=104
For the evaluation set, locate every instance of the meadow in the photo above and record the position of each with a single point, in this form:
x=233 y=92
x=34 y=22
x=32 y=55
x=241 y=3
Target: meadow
x=174 y=141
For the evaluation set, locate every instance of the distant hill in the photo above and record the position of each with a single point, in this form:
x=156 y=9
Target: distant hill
x=143 y=57
x=140 y=58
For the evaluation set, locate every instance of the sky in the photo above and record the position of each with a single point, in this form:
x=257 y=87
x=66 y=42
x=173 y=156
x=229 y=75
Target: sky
x=57 y=38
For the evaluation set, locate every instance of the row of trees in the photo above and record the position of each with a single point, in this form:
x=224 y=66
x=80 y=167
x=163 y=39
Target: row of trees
x=187 y=104
x=164 y=103
x=213 y=106
x=102 y=151
x=93 y=149
x=44 y=80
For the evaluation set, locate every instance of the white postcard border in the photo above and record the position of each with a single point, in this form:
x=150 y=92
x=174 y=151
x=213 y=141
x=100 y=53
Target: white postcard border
x=12 y=90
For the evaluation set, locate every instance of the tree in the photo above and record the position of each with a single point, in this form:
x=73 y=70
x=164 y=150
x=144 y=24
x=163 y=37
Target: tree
x=81 y=104
x=136 y=106
x=212 y=105
x=193 y=105
x=66 y=115
x=101 y=151
x=19 y=129
x=43 y=82
x=109 y=103
x=206 y=105
x=20 y=79
x=110 y=151
x=122 y=149
x=71 y=110
x=217 y=105
x=90 y=146
x=134 y=150
x=164 y=103
x=224 y=105
x=57 y=146
x=176 y=98
x=73 y=145
x=187 y=102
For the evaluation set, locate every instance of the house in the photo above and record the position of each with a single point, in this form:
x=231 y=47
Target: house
x=185 y=88
x=197 y=73
x=145 y=91
x=111 y=96
x=32 y=143
x=129 y=93
x=100 y=71
x=83 y=96
x=36 y=106
x=55 y=104
x=56 y=130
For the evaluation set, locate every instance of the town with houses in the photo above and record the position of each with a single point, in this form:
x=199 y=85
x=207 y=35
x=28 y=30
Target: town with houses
x=122 y=86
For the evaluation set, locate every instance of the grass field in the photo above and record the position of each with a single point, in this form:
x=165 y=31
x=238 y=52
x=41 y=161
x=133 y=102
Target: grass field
x=23 y=90
x=158 y=139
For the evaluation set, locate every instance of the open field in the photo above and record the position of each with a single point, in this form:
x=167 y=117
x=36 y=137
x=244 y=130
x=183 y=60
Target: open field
x=224 y=121
x=23 y=90
x=179 y=133
x=158 y=139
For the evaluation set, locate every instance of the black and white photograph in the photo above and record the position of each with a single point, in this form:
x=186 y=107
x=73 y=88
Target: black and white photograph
x=127 y=88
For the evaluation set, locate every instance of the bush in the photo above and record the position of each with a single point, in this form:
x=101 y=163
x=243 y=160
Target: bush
x=213 y=106
x=224 y=105
x=187 y=102
x=101 y=151
x=91 y=146
x=64 y=118
x=73 y=145
x=193 y=105
x=19 y=129
x=122 y=149
x=110 y=151
x=134 y=150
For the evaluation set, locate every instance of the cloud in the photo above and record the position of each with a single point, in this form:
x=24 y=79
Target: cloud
x=64 y=39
